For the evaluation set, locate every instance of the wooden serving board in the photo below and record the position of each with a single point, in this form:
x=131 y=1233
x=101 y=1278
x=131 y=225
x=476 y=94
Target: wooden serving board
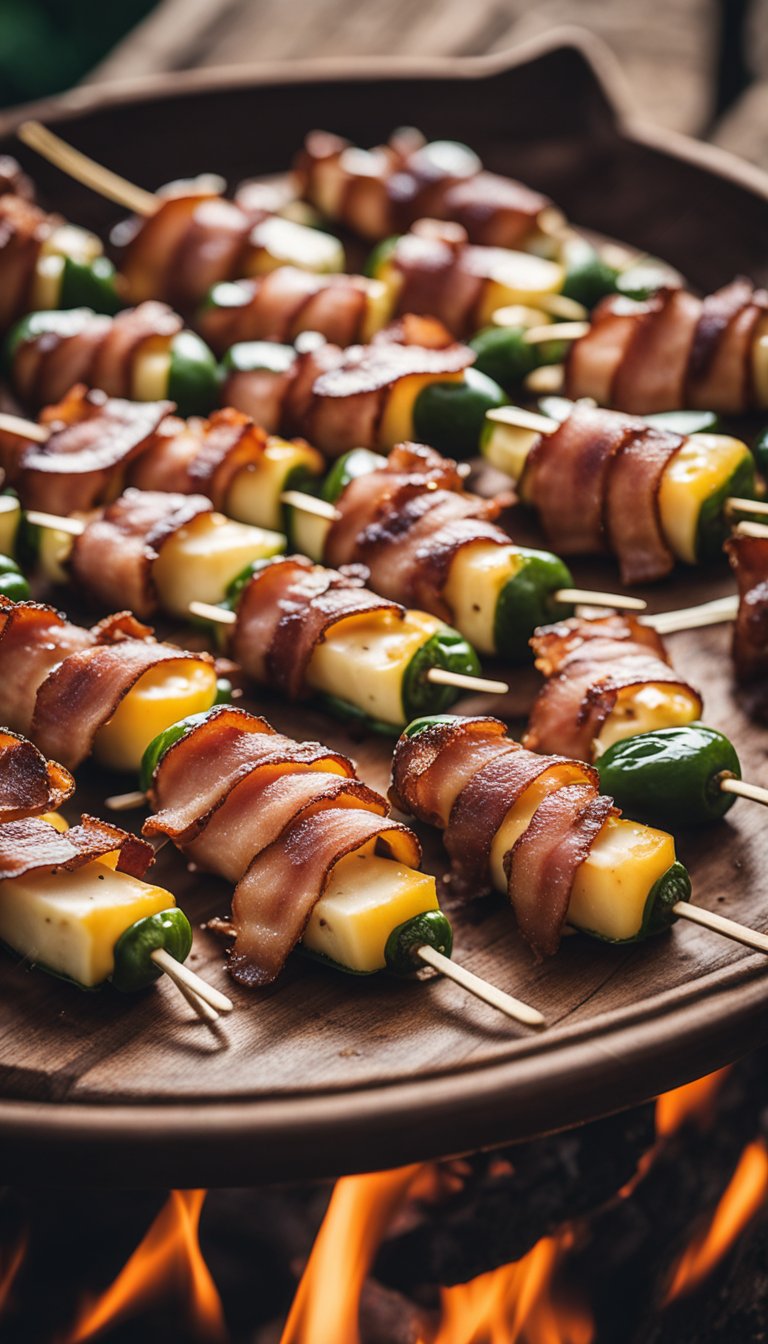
x=324 y=1074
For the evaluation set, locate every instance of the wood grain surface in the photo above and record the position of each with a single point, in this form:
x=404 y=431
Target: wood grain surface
x=324 y=1073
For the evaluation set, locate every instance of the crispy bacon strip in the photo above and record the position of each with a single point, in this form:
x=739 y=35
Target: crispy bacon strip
x=273 y=816
x=90 y=348
x=112 y=560
x=384 y=190
x=284 y=303
x=671 y=351
x=542 y=864
x=749 y=561
x=587 y=665
x=287 y=609
x=595 y=483
x=32 y=845
x=465 y=776
x=33 y=639
x=24 y=228
x=29 y=784
x=407 y=521
x=93 y=439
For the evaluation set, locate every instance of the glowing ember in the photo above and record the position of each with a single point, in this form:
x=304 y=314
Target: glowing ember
x=10 y=1264
x=693 y=1101
x=327 y=1302
x=514 y=1303
x=167 y=1262
x=747 y=1191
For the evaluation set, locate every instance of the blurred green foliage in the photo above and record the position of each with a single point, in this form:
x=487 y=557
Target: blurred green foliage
x=48 y=45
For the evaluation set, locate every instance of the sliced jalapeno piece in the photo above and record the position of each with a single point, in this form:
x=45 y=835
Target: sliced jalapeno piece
x=450 y=416
x=527 y=600
x=588 y=278
x=713 y=525
x=193 y=379
x=760 y=453
x=357 y=462
x=134 y=967
x=431 y=928
x=90 y=284
x=672 y=775
x=504 y=355
x=160 y=744
x=448 y=649
x=428 y=721
x=380 y=257
x=12 y=582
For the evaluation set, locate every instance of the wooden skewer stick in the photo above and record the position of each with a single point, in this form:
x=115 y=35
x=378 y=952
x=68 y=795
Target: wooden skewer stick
x=729 y=928
x=321 y=509
x=86 y=170
x=126 y=802
x=556 y=331
x=74 y=526
x=24 y=429
x=178 y=971
x=719 y=610
x=752 y=530
x=505 y=1003
x=737 y=505
x=548 y=380
x=523 y=314
x=204 y=1010
x=441 y=676
x=754 y=792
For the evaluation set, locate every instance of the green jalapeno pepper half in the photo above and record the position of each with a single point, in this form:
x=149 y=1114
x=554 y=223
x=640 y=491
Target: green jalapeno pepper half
x=760 y=453
x=672 y=776
x=160 y=744
x=92 y=284
x=504 y=354
x=134 y=967
x=450 y=416
x=12 y=582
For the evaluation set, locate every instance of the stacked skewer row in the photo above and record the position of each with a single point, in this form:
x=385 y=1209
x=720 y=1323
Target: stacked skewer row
x=355 y=566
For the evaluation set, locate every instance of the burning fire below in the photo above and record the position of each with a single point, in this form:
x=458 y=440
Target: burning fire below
x=531 y=1300
x=745 y=1195
x=168 y=1261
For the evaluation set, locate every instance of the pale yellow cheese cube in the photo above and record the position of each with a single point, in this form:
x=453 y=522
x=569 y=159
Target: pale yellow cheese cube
x=201 y=559
x=363 y=660
x=166 y=693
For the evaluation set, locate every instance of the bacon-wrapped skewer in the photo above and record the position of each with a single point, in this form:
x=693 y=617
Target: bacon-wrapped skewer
x=187 y=236
x=605 y=482
x=312 y=851
x=105 y=691
x=72 y=900
x=296 y=626
x=612 y=698
x=748 y=553
x=143 y=353
x=88 y=446
x=671 y=351
x=536 y=828
x=384 y=190
x=432 y=271
x=47 y=263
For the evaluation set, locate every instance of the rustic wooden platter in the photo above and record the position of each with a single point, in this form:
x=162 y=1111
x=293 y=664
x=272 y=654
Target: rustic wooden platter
x=325 y=1074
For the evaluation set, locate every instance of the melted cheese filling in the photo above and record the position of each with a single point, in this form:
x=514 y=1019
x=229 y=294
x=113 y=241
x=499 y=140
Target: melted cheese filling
x=703 y=465
x=200 y=560
x=163 y=695
x=644 y=709
x=254 y=495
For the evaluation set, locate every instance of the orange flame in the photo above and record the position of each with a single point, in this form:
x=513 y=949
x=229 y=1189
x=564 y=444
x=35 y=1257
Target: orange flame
x=327 y=1302
x=168 y=1259
x=747 y=1191
x=514 y=1303
x=10 y=1264
x=692 y=1101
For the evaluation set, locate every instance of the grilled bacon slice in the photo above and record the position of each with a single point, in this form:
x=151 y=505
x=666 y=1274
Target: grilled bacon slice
x=587 y=664
x=113 y=559
x=386 y=189
x=671 y=351
x=407 y=521
x=286 y=609
x=29 y=784
x=749 y=560
x=284 y=303
x=595 y=484
x=465 y=776
x=31 y=845
x=93 y=438
x=24 y=228
x=61 y=683
x=273 y=816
